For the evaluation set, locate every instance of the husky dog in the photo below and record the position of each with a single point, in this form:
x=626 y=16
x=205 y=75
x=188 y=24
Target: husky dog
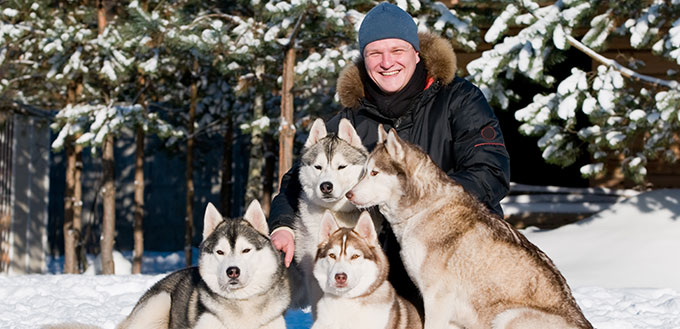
x=352 y=268
x=331 y=165
x=240 y=281
x=473 y=269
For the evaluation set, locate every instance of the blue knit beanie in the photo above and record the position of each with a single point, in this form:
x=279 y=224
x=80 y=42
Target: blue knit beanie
x=387 y=21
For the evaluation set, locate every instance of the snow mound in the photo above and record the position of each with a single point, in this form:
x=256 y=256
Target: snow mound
x=633 y=243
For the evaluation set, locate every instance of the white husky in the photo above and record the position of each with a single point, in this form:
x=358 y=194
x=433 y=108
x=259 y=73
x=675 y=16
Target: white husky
x=352 y=270
x=331 y=165
x=473 y=269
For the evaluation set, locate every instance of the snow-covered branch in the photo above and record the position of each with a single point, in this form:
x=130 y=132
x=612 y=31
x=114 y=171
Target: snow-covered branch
x=671 y=84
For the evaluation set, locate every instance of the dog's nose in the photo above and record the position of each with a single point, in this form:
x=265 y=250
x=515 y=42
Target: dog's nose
x=341 y=278
x=326 y=187
x=349 y=195
x=233 y=272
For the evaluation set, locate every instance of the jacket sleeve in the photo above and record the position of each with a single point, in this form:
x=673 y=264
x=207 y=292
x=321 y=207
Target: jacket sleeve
x=482 y=163
x=284 y=207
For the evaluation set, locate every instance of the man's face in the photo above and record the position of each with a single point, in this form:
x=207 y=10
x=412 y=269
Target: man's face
x=390 y=63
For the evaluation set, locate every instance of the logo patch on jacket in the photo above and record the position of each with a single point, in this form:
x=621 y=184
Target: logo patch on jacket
x=488 y=133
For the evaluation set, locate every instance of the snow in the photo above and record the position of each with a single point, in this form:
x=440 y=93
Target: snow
x=622 y=264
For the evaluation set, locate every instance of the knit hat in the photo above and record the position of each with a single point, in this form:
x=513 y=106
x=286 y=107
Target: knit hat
x=387 y=21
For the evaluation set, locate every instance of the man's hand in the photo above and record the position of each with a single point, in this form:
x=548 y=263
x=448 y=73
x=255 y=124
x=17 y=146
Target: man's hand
x=283 y=240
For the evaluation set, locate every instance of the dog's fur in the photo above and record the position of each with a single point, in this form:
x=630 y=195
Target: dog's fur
x=331 y=165
x=352 y=269
x=473 y=269
x=240 y=281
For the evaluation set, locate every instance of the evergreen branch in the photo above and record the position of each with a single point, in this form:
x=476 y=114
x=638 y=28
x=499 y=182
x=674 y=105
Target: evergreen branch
x=671 y=84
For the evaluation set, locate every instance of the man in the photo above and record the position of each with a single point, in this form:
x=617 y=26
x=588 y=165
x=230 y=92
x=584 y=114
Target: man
x=406 y=81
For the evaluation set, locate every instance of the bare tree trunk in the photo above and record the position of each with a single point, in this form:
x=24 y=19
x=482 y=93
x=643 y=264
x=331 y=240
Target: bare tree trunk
x=109 y=201
x=268 y=176
x=108 y=167
x=81 y=261
x=138 y=225
x=189 y=220
x=287 y=132
x=73 y=203
x=227 y=183
x=70 y=257
x=254 y=185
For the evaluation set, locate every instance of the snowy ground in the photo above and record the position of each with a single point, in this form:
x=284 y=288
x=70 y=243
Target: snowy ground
x=622 y=263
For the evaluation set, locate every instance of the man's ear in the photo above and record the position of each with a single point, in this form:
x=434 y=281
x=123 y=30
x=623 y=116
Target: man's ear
x=382 y=134
x=317 y=132
x=394 y=146
x=346 y=132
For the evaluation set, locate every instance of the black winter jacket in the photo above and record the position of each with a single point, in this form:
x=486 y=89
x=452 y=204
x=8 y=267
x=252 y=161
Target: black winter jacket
x=451 y=121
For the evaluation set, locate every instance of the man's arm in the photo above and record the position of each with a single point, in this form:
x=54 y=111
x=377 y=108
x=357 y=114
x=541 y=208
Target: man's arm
x=482 y=161
x=282 y=214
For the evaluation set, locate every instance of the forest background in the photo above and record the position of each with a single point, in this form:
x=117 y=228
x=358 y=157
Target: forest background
x=227 y=89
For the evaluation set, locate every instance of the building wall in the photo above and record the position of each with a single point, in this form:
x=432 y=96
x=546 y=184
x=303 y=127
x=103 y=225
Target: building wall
x=26 y=240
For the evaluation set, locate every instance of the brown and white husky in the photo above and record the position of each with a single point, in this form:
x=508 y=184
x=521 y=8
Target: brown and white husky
x=473 y=269
x=352 y=269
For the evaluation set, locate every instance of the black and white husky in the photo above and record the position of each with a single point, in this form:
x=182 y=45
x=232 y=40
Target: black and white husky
x=240 y=281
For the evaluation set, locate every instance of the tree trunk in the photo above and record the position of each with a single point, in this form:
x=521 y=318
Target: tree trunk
x=138 y=225
x=287 y=132
x=81 y=262
x=227 y=183
x=109 y=201
x=73 y=204
x=108 y=167
x=70 y=257
x=269 y=168
x=189 y=219
x=256 y=159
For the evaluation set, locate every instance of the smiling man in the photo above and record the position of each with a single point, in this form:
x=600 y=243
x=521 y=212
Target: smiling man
x=407 y=81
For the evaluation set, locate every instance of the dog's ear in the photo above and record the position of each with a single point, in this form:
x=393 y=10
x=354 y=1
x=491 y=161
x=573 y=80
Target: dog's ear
x=255 y=216
x=211 y=219
x=346 y=131
x=382 y=134
x=394 y=146
x=365 y=227
x=317 y=132
x=328 y=226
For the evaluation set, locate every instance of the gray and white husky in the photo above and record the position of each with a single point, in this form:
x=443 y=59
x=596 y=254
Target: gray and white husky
x=352 y=269
x=331 y=165
x=474 y=270
x=240 y=281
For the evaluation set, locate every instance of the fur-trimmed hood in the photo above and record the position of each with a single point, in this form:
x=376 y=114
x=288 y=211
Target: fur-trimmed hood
x=440 y=63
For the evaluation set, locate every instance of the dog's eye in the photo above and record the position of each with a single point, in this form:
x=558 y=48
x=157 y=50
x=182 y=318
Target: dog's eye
x=331 y=256
x=342 y=167
x=245 y=251
x=374 y=172
x=355 y=256
x=219 y=252
x=317 y=167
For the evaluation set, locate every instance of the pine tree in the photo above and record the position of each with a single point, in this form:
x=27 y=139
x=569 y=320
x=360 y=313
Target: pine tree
x=628 y=116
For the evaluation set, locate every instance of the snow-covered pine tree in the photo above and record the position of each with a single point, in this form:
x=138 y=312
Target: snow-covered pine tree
x=617 y=112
